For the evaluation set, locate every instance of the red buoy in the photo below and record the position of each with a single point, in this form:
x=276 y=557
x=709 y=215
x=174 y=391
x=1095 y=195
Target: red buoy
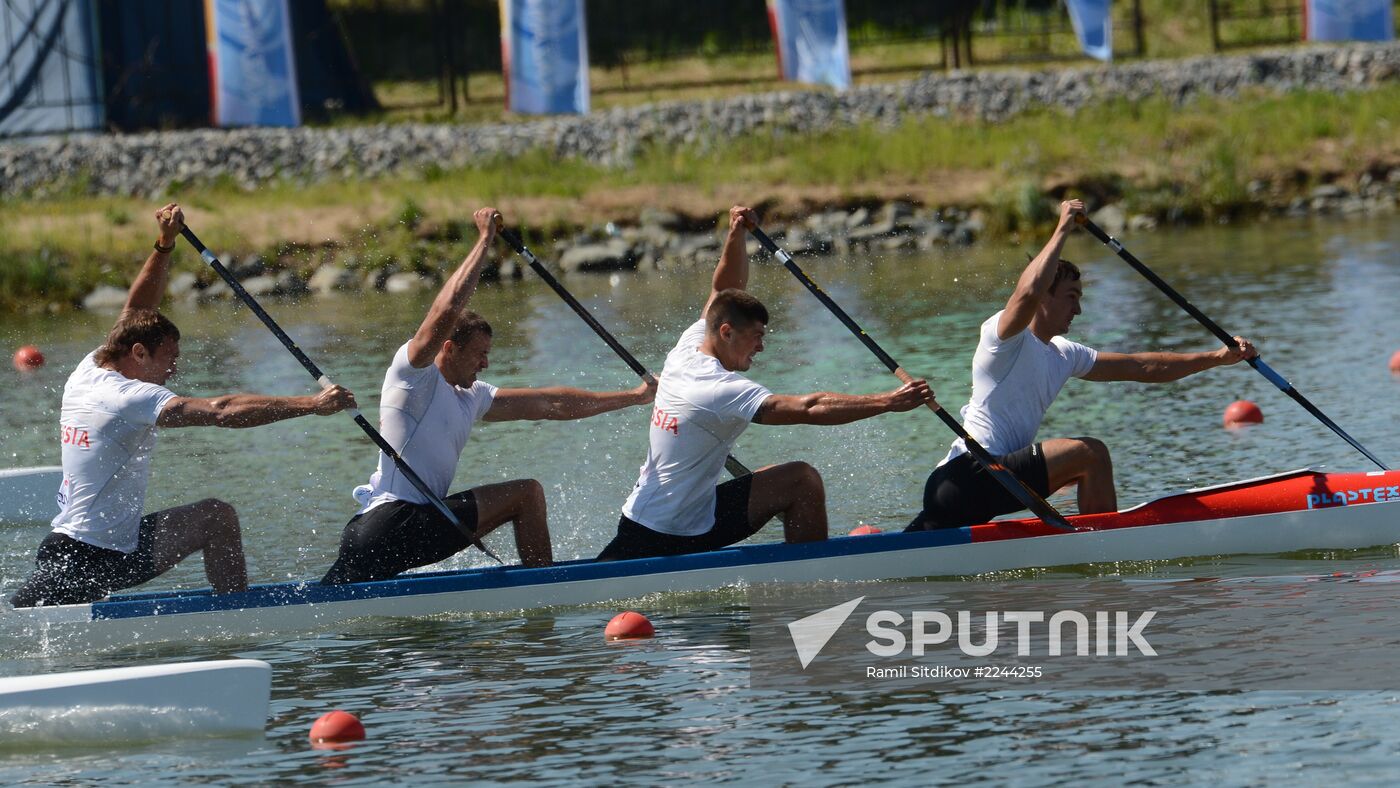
x=27 y=358
x=627 y=626
x=864 y=530
x=1241 y=412
x=1395 y=363
x=337 y=726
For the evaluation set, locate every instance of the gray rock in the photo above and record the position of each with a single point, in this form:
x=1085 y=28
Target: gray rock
x=858 y=217
x=1110 y=219
x=105 y=298
x=1329 y=191
x=615 y=255
x=289 y=283
x=659 y=217
x=182 y=285
x=407 y=282
x=215 y=292
x=1139 y=222
x=247 y=268
x=261 y=286
x=330 y=278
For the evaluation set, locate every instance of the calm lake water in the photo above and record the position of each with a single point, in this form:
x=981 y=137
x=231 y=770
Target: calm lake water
x=541 y=696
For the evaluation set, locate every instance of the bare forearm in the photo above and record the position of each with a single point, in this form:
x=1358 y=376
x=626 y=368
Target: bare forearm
x=562 y=403
x=830 y=408
x=733 y=268
x=1040 y=274
x=1167 y=367
x=149 y=287
x=255 y=410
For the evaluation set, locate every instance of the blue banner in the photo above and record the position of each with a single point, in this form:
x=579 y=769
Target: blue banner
x=1093 y=24
x=252 y=67
x=1350 y=20
x=811 y=40
x=49 y=77
x=544 y=53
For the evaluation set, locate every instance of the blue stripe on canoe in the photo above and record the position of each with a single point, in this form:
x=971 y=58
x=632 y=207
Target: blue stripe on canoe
x=309 y=592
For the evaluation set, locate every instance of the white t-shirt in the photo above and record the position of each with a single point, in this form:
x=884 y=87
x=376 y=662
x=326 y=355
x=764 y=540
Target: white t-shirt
x=107 y=428
x=1014 y=380
x=428 y=421
x=701 y=408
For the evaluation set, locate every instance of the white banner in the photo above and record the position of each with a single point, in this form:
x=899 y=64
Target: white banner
x=253 y=74
x=811 y=40
x=1350 y=20
x=544 y=53
x=1093 y=24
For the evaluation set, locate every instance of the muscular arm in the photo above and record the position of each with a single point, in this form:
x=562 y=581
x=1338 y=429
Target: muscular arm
x=148 y=288
x=1035 y=281
x=733 y=269
x=559 y=403
x=455 y=292
x=830 y=408
x=1155 y=367
x=250 y=410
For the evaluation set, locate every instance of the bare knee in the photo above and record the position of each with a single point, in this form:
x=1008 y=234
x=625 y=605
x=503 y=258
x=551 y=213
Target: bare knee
x=1096 y=453
x=802 y=474
x=220 y=517
x=534 y=492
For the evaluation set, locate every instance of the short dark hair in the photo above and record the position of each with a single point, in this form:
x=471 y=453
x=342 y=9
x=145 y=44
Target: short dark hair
x=735 y=307
x=146 y=327
x=468 y=324
x=1066 y=272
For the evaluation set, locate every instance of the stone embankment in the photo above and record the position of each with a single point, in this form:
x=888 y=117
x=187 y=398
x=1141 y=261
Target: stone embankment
x=150 y=164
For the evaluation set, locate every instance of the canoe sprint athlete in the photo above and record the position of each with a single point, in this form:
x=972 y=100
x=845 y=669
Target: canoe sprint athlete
x=112 y=404
x=430 y=401
x=702 y=406
x=1021 y=363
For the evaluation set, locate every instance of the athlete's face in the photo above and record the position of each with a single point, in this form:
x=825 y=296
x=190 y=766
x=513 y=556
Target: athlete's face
x=740 y=345
x=1061 y=307
x=467 y=360
x=156 y=366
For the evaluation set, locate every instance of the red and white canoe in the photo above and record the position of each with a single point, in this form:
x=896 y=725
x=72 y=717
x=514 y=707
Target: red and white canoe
x=1298 y=510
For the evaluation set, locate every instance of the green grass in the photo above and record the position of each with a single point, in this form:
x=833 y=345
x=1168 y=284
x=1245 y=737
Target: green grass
x=1191 y=162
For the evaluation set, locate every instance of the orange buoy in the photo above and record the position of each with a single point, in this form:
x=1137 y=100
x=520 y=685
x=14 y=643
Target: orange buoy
x=864 y=530
x=337 y=726
x=27 y=358
x=628 y=626
x=1395 y=363
x=1241 y=412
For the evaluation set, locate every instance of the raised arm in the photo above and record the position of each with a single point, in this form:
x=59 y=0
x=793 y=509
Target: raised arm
x=1035 y=281
x=559 y=403
x=733 y=268
x=1166 y=367
x=453 y=296
x=827 y=408
x=149 y=287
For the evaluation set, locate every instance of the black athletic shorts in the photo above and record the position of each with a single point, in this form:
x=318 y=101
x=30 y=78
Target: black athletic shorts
x=635 y=540
x=70 y=572
x=397 y=536
x=961 y=492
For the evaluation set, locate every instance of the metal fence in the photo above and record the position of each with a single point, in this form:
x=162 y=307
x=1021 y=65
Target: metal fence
x=1250 y=23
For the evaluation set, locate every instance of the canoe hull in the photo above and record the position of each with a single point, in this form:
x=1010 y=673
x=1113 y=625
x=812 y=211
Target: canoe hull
x=146 y=702
x=955 y=552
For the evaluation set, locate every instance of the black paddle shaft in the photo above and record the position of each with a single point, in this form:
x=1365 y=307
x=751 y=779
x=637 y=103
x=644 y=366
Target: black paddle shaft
x=325 y=382
x=1028 y=497
x=1258 y=363
x=732 y=465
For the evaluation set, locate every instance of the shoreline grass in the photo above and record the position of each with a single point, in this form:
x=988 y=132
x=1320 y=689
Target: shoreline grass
x=1208 y=159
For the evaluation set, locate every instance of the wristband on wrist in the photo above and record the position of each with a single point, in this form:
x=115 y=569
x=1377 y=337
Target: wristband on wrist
x=164 y=249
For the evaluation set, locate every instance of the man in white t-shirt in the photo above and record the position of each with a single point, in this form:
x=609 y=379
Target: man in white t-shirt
x=1022 y=362
x=430 y=401
x=703 y=405
x=112 y=404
